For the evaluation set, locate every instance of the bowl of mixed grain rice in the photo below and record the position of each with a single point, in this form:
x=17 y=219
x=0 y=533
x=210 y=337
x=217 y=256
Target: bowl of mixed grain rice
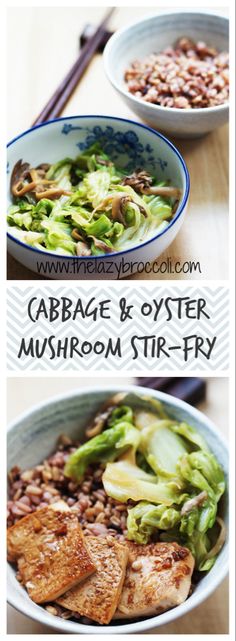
x=39 y=443
x=172 y=70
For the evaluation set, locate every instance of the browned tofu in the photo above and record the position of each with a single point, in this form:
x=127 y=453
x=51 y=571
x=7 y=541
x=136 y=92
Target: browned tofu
x=98 y=596
x=50 y=550
x=158 y=577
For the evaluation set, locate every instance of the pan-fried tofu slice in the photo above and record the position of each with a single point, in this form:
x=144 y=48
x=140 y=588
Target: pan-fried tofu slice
x=98 y=596
x=51 y=552
x=158 y=577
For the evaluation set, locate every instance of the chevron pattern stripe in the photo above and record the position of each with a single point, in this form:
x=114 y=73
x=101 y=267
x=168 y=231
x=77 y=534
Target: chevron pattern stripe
x=174 y=331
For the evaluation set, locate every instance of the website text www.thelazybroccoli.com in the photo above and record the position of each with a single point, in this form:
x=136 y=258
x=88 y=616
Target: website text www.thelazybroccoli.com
x=120 y=269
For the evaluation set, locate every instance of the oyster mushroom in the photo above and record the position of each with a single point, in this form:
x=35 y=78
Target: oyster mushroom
x=102 y=161
x=104 y=204
x=21 y=179
x=50 y=191
x=44 y=167
x=170 y=192
x=101 y=245
x=118 y=203
x=139 y=180
x=189 y=505
x=101 y=418
x=26 y=179
x=98 y=423
x=76 y=235
x=220 y=541
x=19 y=173
x=82 y=249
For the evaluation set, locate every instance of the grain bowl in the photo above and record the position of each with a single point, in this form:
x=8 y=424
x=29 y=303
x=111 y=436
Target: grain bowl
x=152 y=35
x=32 y=439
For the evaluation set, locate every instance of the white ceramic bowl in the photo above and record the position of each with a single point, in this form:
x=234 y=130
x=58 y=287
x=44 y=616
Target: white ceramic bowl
x=153 y=34
x=130 y=145
x=33 y=437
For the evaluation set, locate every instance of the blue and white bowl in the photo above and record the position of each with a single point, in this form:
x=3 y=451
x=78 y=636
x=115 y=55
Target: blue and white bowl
x=153 y=34
x=130 y=145
x=33 y=436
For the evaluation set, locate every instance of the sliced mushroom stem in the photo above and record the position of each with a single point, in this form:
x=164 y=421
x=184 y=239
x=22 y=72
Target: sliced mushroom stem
x=220 y=541
x=52 y=193
x=75 y=234
x=44 y=166
x=118 y=203
x=20 y=189
x=170 y=192
x=25 y=178
x=98 y=424
x=104 y=203
x=19 y=173
x=175 y=206
x=100 y=419
x=102 y=161
x=82 y=249
x=195 y=502
x=41 y=180
x=34 y=175
x=101 y=245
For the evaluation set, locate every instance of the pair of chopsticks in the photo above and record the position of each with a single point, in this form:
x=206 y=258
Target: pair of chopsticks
x=58 y=100
x=191 y=390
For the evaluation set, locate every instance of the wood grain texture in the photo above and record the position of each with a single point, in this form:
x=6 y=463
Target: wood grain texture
x=204 y=234
x=211 y=617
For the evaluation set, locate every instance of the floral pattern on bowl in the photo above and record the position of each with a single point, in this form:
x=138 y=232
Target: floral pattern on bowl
x=115 y=143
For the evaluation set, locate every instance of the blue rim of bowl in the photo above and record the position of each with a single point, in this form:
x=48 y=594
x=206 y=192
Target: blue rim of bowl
x=150 y=106
x=124 y=251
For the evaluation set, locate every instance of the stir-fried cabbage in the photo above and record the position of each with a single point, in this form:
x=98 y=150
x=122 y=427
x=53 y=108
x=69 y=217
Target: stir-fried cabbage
x=124 y=480
x=86 y=206
x=107 y=446
x=145 y=519
x=166 y=473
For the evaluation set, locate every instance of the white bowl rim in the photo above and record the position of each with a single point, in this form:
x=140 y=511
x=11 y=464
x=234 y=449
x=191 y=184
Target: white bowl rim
x=150 y=106
x=161 y=619
x=112 y=255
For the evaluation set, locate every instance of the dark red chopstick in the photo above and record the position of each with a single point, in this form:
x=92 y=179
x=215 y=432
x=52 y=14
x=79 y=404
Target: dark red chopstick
x=191 y=390
x=58 y=100
x=88 y=32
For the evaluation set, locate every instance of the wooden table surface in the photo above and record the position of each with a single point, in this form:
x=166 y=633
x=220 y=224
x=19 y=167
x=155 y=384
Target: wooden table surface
x=209 y=618
x=43 y=44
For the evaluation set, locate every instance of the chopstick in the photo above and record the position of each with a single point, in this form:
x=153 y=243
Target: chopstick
x=58 y=100
x=88 y=32
x=191 y=390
